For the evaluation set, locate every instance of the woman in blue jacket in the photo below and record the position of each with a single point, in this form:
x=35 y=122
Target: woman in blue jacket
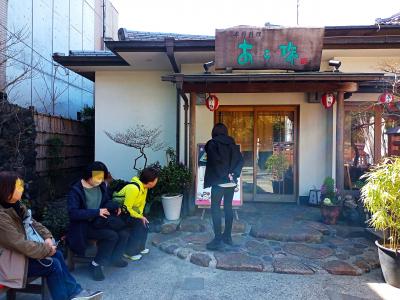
x=88 y=200
x=224 y=165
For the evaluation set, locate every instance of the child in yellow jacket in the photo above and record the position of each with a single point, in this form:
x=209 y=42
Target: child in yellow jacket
x=135 y=194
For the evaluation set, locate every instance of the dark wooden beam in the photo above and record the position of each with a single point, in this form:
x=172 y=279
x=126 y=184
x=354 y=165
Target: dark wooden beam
x=269 y=87
x=169 y=45
x=340 y=142
x=362 y=42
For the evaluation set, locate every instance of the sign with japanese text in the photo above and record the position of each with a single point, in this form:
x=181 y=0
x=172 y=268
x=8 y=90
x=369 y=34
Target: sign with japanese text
x=203 y=195
x=297 y=49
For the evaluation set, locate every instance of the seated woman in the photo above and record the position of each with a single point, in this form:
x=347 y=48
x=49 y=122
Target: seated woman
x=33 y=246
x=135 y=195
x=89 y=201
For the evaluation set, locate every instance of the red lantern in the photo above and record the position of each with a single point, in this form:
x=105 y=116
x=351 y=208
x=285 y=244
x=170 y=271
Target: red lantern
x=328 y=99
x=212 y=102
x=386 y=98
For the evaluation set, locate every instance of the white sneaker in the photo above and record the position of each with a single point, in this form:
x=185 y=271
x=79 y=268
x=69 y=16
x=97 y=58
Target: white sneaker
x=134 y=257
x=86 y=295
x=145 y=251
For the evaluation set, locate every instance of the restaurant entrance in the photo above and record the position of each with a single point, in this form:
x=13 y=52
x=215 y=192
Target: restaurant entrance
x=268 y=139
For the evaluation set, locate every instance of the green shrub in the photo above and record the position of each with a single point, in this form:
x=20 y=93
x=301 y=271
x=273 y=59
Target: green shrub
x=55 y=218
x=381 y=197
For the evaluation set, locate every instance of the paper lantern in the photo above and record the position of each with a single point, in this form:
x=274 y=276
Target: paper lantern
x=212 y=102
x=328 y=99
x=386 y=98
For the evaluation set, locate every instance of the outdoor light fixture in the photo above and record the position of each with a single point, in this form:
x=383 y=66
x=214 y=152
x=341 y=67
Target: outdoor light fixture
x=336 y=64
x=208 y=65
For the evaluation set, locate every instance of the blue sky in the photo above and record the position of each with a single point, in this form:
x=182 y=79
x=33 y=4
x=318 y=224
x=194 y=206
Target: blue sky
x=204 y=16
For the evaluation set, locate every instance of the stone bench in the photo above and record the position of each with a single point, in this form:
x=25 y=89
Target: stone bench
x=73 y=258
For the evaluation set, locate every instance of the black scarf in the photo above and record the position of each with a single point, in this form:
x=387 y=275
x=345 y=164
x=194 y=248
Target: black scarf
x=17 y=207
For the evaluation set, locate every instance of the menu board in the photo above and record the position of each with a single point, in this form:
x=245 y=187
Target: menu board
x=203 y=195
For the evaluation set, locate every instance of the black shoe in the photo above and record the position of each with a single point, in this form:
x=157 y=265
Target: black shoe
x=97 y=272
x=119 y=263
x=227 y=240
x=215 y=244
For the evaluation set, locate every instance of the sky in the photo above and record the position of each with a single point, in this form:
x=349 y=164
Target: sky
x=204 y=16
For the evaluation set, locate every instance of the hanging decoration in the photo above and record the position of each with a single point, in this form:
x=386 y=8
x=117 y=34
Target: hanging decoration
x=386 y=98
x=212 y=102
x=328 y=99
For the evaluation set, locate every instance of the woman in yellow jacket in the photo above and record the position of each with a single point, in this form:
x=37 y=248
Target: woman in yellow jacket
x=135 y=194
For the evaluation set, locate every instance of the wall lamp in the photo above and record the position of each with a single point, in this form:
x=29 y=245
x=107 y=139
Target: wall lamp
x=207 y=66
x=335 y=64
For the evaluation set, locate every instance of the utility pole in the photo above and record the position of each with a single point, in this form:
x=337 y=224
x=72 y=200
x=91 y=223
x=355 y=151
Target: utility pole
x=298 y=4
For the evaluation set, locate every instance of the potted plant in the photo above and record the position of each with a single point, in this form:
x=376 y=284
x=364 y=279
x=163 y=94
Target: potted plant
x=277 y=164
x=174 y=178
x=331 y=202
x=381 y=197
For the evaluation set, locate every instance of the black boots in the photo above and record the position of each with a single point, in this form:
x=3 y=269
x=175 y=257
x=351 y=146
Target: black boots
x=215 y=244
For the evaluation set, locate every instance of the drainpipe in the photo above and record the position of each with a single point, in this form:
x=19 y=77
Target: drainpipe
x=186 y=206
x=186 y=108
x=178 y=125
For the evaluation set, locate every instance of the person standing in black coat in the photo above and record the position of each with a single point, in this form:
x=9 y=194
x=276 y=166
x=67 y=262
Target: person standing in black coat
x=224 y=165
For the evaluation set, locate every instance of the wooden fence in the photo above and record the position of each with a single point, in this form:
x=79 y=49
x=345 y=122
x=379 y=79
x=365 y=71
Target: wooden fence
x=77 y=144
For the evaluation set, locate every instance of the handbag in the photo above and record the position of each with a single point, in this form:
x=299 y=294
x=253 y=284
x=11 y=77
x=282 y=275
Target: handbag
x=126 y=216
x=12 y=265
x=113 y=222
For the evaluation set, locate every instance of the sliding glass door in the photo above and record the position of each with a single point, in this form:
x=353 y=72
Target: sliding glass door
x=268 y=139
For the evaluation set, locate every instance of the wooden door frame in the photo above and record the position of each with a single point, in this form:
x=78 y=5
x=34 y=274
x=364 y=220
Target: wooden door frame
x=269 y=108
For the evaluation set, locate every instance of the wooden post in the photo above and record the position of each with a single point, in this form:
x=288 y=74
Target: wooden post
x=192 y=151
x=340 y=142
x=377 y=134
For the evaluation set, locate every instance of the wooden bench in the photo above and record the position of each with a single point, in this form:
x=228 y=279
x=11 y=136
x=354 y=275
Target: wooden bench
x=31 y=288
x=73 y=258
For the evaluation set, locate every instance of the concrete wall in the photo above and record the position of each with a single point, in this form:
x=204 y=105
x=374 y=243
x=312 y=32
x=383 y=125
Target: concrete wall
x=53 y=26
x=314 y=147
x=125 y=99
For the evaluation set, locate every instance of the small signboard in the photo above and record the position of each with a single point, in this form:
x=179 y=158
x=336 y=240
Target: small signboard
x=244 y=47
x=203 y=196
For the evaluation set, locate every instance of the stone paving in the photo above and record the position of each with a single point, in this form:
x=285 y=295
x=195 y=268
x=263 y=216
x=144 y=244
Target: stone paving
x=280 y=238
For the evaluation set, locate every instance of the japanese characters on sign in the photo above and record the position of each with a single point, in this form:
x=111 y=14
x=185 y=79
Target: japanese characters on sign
x=296 y=49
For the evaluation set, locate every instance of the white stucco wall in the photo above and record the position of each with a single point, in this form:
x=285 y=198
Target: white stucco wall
x=124 y=99
x=314 y=147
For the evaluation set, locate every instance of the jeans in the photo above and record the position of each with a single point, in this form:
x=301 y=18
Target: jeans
x=137 y=238
x=217 y=193
x=62 y=285
x=110 y=243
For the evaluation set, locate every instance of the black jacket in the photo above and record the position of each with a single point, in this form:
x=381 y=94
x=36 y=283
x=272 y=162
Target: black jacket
x=80 y=215
x=223 y=158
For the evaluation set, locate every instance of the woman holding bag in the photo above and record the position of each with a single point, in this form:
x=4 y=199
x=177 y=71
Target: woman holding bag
x=31 y=247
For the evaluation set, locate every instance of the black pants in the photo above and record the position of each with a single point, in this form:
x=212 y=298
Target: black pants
x=137 y=239
x=217 y=193
x=110 y=243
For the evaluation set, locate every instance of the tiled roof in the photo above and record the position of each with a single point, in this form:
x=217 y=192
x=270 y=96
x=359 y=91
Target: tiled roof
x=393 y=20
x=130 y=35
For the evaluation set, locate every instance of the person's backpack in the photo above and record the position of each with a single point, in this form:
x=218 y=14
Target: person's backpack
x=121 y=184
x=125 y=216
